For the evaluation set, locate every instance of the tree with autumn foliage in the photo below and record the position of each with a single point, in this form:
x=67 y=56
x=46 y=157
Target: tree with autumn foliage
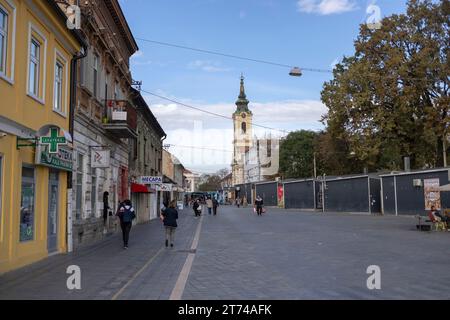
x=391 y=99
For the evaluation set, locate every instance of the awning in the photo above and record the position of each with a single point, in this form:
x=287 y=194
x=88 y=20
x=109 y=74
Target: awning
x=140 y=188
x=444 y=188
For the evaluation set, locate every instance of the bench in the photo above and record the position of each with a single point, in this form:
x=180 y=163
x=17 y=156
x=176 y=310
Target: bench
x=425 y=224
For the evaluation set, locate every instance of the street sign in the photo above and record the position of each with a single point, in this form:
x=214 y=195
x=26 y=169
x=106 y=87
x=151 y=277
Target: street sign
x=163 y=187
x=150 y=180
x=100 y=158
x=53 y=141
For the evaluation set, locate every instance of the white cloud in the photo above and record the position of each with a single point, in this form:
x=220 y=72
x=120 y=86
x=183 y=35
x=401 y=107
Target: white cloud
x=187 y=128
x=207 y=66
x=326 y=7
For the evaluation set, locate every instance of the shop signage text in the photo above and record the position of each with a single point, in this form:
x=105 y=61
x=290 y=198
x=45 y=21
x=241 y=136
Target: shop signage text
x=150 y=180
x=61 y=160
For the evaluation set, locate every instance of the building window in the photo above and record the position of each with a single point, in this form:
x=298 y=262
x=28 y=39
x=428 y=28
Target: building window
x=244 y=128
x=94 y=192
x=95 y=75
x=269 y=148
x=79 y=186
x=58 y=89
x=34 y=71
x=3 y=39
x=27 y=205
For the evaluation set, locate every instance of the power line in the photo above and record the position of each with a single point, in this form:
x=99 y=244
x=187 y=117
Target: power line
x=196 y=147
x=209 y=112
x=231 y=55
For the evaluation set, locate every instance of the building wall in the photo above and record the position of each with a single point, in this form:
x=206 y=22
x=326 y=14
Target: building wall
x=168 y=167
x=113 y=83
x=22 y=116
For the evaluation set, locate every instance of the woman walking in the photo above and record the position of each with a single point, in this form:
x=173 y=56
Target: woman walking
x=259 y=205
x=197 y=208
x=169 y=217
x=126 y=215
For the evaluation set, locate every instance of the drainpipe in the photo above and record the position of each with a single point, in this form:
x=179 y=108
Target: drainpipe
x=72 y=102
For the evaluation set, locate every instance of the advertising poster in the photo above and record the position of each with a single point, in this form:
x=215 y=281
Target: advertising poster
x=432 y=197
x=281 y=196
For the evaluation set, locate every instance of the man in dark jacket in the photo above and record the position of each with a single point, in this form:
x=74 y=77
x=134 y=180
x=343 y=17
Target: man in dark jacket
x=127 y=215
x=215 y=206
x=169 y=217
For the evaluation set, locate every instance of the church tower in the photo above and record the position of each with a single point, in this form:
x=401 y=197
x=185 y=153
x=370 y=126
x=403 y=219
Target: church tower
x=242 y=120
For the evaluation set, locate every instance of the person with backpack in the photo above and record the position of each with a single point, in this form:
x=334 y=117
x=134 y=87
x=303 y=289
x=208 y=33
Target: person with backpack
x=169 y=217
x=126 y=215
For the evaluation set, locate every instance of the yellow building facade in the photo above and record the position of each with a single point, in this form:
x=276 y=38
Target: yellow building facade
x=36 y=50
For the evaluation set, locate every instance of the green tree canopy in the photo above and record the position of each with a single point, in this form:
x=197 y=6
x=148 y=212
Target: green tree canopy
x=297 y=154
x=391 y=99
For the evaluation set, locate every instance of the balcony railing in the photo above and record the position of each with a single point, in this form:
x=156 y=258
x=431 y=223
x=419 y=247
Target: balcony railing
x=121 y=119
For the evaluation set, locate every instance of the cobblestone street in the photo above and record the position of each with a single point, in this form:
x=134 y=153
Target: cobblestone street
x=281 y=255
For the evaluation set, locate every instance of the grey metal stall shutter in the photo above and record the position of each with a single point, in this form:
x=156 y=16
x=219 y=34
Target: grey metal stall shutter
x=268 y=193
x=299 y=195
x=347 y=195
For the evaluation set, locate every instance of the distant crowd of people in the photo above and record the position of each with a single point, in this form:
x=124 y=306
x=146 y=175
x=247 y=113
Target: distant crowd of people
x=169 y=214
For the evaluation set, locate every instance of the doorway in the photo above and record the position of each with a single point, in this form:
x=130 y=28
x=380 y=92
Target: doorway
x=53 y=203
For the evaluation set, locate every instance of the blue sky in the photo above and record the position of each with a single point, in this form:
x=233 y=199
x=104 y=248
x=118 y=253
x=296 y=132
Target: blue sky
x=304 y=33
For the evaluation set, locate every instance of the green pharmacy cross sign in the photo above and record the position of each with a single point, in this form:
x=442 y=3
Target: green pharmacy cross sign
x=54 y=141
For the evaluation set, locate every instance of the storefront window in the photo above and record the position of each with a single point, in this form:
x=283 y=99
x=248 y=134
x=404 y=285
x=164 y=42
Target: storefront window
x=27 y=205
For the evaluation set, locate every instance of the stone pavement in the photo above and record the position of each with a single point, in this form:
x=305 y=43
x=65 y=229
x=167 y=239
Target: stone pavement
x=285 y=254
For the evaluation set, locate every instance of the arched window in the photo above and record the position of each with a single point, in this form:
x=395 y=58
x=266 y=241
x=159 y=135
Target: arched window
x=244 y=128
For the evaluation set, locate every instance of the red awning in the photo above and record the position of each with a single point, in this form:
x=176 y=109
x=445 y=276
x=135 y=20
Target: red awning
x=140 y=188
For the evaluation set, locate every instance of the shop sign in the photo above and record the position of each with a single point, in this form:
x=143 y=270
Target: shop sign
x=100 y=158
x=62 y=160
x=163 y=187
x=53 y=141
x=150 y=180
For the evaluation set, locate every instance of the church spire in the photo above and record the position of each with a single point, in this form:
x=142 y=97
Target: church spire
x=242 y=102
x=242 y=91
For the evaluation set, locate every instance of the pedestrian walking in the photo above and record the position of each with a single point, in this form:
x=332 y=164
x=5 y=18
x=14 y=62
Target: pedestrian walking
x=126 y=215
x=238 y=202
x=170 y=217
x=209 y=205
x=215 y=206
x=105 y=207
x=259 y=205
x=197 y=208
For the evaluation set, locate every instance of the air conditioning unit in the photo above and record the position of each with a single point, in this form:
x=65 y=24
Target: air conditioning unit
x=417 y=183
